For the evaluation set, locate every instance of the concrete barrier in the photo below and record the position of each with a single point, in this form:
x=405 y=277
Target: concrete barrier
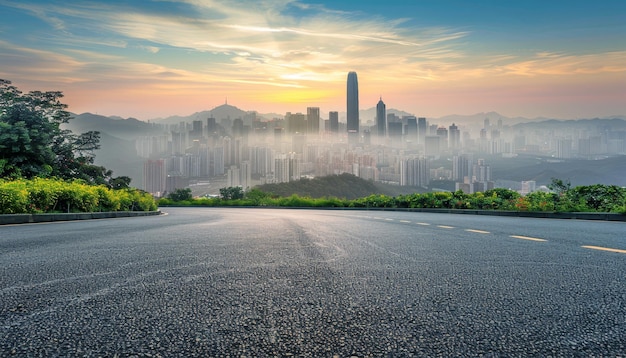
x=7 y=219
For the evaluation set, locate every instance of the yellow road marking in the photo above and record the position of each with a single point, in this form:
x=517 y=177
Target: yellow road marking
x=423 y=224
x=478 y=231
x=528 y=238
x=445 y=227
x=605 y=249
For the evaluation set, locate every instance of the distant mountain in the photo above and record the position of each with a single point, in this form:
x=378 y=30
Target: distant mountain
x=610 y=171
x=224 y=111
x=120 y=156
x=582 y=124
x=129 y=128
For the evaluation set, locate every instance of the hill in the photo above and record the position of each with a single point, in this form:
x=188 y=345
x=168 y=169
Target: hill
x=609 y=171
x=119 y=155
x=224 y=111
x=345 y=186
x=129 y=128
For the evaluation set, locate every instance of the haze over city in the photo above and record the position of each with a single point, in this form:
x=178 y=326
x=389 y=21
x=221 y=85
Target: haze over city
x=561 y=59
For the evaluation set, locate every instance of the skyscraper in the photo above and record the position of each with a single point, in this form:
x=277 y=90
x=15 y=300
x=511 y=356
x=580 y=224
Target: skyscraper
x=454 y=136
x=313 y=120
x=353 y=107
x=381 y=118
x=333 y=117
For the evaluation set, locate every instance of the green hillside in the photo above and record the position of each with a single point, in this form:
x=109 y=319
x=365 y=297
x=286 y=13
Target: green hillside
x=346 y=186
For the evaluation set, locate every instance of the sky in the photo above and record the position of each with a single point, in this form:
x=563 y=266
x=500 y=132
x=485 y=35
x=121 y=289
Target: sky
x=563 y=59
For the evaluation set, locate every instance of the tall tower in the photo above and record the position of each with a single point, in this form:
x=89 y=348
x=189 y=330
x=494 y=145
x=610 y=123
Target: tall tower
x=313 y=120
x=333 y=117
x=353 y=107
x=381 y=118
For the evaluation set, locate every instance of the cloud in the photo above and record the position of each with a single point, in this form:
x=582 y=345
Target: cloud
x=283 y=46
x=558 y=64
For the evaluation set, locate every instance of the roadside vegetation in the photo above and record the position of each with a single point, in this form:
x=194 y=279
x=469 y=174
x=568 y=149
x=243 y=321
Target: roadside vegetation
x=42 y=195
x=44 y=168
x=561 y=198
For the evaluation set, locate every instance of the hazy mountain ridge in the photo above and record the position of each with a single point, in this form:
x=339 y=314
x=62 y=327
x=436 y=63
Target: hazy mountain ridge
x=129 y=128
x=224 y=111
x=120 y=156
x=609 y=171
x=608 y=123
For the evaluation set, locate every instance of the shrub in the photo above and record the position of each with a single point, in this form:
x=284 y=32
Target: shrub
x=13 y=199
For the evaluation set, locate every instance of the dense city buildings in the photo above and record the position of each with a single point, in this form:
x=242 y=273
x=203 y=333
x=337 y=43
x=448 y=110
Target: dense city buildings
x=382 y=144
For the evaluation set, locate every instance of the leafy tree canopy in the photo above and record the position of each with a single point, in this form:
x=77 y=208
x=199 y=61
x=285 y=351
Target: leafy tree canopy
x=180 y=195
x=33 y=144
x=232 y=193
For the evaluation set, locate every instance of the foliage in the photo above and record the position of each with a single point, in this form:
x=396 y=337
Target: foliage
x=180 y=195
x=341 y=186
x=601 y=198
x=232 y=193
x=44 y=195
x=33 y=144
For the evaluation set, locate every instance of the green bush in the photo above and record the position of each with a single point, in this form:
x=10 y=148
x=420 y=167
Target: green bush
x=13 y=198
x=41 y=195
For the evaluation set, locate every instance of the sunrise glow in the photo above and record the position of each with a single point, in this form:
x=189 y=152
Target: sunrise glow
x=154 y=59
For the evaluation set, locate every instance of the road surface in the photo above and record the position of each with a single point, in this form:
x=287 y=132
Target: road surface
x=319 y=283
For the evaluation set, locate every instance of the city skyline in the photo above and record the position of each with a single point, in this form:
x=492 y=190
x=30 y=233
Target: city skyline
x=563 y=60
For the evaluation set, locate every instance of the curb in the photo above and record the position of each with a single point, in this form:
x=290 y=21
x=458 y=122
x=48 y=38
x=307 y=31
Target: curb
x=7 y=219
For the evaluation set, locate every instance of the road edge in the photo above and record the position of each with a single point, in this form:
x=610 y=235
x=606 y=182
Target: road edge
x=8 y=219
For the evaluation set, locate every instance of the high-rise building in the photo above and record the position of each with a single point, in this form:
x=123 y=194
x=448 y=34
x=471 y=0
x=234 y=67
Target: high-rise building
x=211 y=125
x=454 y=137
x=333 y=117
x=353 y=106
x=415 y=172
x=154 y=176
x=442 y=132
x=564 y=148
x=461 y=168
x=410 y=129
x=421 y=129
x=481 y=171
x=381 y=118
x=296 y=123
x=313 y=120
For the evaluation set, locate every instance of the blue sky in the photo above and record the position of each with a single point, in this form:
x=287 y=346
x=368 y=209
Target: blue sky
x=149 y=59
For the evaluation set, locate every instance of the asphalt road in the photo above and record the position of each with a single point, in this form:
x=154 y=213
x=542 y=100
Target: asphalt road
x=280 y=282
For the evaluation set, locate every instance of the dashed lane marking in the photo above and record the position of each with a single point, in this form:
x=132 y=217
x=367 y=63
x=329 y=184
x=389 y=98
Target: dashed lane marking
x=478 y=231
x=604 y=249
x=528 y=238
x=405 y=221
x=423 y=224
x=445 y=227
x=388 y=219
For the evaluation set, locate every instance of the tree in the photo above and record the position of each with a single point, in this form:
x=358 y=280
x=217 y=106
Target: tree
x=33 y=144
x=232 y=193
x=560 y=186
x=180 y=195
